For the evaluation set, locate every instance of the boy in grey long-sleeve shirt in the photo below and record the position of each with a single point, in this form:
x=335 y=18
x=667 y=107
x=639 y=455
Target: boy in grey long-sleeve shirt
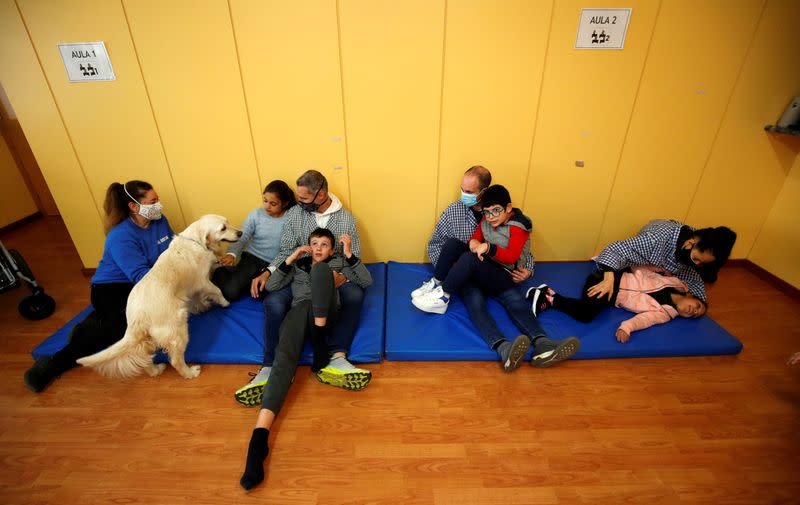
x=314 y=310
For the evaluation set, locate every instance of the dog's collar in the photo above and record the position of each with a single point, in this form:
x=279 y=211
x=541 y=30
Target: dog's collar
x=192 y=240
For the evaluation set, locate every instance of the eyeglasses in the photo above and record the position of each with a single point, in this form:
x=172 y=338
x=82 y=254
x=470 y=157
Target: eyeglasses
x=492 y=212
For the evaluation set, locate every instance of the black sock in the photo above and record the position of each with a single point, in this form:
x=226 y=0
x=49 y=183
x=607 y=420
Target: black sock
x=256 y=454
x=320 y=347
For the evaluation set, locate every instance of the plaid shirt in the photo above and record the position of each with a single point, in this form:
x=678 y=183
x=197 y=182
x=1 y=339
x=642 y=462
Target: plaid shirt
x=458 y=221
x=656 y=244
x=299 y=225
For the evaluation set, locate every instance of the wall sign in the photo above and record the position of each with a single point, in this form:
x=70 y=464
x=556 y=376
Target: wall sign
x=86 y=61
x=602 y=28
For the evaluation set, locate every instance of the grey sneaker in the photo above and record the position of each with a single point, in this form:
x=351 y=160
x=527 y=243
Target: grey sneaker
x=515 y=352
x=549 y=352
x=250 y=394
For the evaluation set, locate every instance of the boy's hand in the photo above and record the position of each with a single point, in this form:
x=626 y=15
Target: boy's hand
x=520 y=274
x=794 y=359
x=257 y=285
x=347 y=244
x=227 y=260
x=481 y=250
x=473 y=245
x=622 y=335
x=603 y=288
x=303 y=249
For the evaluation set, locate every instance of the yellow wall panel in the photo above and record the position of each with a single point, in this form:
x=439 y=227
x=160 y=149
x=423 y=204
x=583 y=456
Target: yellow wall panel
x=110 y=123
x=777 y=247
x=289 y=53
x=678 y=110
x=392 y=59
x=17 y=201
x=586 y=102
x=748 y=166
x=494 y=57
x=188 y=57
x=38 y=115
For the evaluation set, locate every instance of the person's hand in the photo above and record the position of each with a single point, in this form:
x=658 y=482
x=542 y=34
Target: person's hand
x=794 y=359
x=338 y=279
x=303 y=249
x=347 y=244
x=481 y=250
x=227 y=260
x=603 y=288
x=622 y=335
x=473 y=245
x=257 y=284
x=520 y=274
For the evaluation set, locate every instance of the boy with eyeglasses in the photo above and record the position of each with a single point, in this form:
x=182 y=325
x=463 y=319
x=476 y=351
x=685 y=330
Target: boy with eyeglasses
x=500 y=242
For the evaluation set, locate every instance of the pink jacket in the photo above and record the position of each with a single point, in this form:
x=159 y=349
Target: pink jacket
x=632 y=295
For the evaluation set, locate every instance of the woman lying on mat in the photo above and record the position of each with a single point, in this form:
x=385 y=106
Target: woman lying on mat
x=260 y=242
x=136 y=235
x=694 y=256
x=654 y=294
x=315 y=307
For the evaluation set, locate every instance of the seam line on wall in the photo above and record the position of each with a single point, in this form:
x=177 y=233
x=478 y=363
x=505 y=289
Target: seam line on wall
x=627 y=132
x=244 y=96
x=538 y=105
x=153 y=114
x=777 y=196
x=60 y=114
x=441 y=118
x=344 y=109
x=723 y=117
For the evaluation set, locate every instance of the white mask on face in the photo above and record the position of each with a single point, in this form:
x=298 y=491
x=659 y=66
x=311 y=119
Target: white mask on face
x=151 y=212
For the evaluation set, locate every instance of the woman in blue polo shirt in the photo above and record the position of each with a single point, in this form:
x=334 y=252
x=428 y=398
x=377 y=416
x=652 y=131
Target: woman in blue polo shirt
x=136 y=234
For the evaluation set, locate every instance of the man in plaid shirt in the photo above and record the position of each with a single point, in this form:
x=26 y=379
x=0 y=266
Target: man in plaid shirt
x=453 y=231
x=316 y=208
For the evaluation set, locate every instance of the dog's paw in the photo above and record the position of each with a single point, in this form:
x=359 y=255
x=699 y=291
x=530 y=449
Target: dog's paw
x=192 y=372
x=223 y=302
x=156 y=370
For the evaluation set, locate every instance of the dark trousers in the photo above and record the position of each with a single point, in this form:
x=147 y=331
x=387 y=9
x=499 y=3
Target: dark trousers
x=457 y=264
x=103 y=326
x=585 y=308
x=235 y=282
x=474 y=290
x=296 y=327
x=276 y=307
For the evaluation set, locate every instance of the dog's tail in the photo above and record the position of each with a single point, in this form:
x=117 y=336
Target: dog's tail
x=126 y=358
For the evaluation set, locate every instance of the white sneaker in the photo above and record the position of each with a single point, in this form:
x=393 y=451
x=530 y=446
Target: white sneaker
x=436 y=301
x=426 y=288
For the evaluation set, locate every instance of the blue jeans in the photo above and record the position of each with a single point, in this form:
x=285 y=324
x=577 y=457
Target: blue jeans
x=278 y=303
x=518 y=308
x=457 y=264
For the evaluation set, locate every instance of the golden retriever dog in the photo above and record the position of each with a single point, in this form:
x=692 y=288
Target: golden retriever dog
x=159 y=304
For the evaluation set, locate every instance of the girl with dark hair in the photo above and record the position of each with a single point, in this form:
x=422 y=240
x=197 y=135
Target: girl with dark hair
x=136 y=235
x=260 y=242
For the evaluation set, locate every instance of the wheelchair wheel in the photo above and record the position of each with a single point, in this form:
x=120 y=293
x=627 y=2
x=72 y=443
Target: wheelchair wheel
x=37 y=306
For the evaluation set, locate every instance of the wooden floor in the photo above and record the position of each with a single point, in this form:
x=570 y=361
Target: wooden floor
x=710 y=430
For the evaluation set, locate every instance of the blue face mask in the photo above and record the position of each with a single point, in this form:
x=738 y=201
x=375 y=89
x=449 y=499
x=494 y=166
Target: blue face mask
x=468 y=199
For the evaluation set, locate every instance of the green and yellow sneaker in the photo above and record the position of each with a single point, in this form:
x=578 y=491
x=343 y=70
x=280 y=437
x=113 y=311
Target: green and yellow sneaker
x=250 y=394
x=342 y=374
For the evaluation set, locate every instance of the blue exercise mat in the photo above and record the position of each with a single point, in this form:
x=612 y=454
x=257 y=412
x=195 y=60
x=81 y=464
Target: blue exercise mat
x=236 y=334
x=413 y=335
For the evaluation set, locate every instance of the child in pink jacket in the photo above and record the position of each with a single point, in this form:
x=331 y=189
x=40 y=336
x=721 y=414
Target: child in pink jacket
x=654 y=294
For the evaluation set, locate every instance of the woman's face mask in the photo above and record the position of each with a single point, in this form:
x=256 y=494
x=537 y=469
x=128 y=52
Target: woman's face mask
x=149 y=211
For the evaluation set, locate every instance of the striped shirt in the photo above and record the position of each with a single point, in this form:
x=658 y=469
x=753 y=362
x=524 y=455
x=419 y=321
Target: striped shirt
x=655 y=244
x=460 y=222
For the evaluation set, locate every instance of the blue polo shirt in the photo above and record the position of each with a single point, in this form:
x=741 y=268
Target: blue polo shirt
x=131 y=251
